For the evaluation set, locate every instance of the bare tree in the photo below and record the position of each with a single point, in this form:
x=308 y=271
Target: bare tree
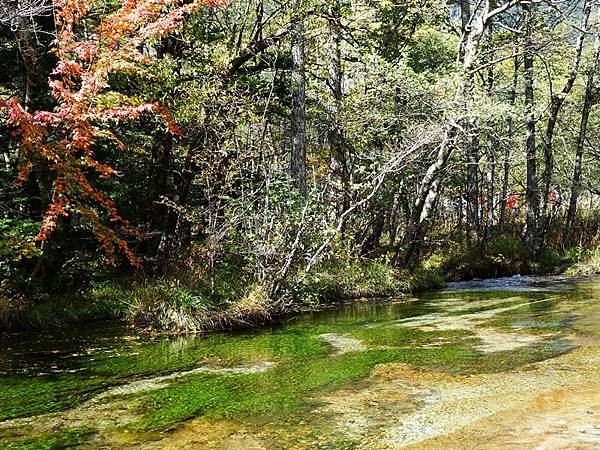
x=16 y=13
x=298 y=159
x=556 y=103
x=588 y=101
x=429 y=186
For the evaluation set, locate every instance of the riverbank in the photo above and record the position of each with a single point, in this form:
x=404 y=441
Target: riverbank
x=186 y=301
x=505 y=256
x=182 y=302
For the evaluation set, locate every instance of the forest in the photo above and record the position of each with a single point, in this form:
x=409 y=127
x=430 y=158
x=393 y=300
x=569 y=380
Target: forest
x=299 y=224
x=193 y=165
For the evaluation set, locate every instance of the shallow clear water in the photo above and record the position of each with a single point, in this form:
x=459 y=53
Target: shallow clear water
x=370 y=374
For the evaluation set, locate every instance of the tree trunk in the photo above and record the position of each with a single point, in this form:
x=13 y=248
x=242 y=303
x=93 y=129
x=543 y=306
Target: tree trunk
x=419 y=213
x=532 y=197
x=371 y=243
x=587 y=106
x=509 y=130
x=36 y=86
x=473 y=147
x=492 y=146
x=465 y=19
x=556 y=104
x=430 y=182
x=298 y=157
x=473 y=137
x=465 y=14
x=35 y=96
x=338 y=164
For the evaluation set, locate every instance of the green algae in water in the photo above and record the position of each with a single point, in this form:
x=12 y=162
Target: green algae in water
x=486 y=308
x=135 y=359
x=395 y=336
x=534 y=317
x=284 y=390
x=305 y=367
x=22 y=396
x=288 y=390
x=170 y=355
x=466 y=297
x=50 y=441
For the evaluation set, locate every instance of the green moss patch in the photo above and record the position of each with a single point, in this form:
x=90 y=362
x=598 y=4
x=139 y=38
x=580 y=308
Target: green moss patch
x=52 y=441
x=27 y=396
x=405 y=336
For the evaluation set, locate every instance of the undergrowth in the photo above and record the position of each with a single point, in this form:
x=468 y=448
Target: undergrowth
x=188 y=299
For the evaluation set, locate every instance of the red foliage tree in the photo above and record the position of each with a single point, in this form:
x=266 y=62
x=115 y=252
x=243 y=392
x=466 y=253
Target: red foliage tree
x=65 y=137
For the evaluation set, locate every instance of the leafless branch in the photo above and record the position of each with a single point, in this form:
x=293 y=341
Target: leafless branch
x=14 y=12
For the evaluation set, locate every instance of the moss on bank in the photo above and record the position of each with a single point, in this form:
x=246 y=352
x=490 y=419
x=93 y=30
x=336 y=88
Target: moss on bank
x=230 y=299
x=190 y=300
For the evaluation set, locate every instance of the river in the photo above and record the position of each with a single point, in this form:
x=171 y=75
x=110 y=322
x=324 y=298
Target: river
x=507 y=363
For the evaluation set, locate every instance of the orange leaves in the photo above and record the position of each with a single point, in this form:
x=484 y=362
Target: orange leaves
x=31 y=132
x=60 y=92
x=24 y=172
x=86 y=51
x=163 y=112
x=65 y=137
x=16 y=113
x=50 y=222
x=69 y=69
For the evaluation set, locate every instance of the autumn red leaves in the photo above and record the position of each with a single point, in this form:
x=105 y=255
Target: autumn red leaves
x=90 y=45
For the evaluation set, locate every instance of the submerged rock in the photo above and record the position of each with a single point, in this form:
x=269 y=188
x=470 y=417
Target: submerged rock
x=343 y=344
